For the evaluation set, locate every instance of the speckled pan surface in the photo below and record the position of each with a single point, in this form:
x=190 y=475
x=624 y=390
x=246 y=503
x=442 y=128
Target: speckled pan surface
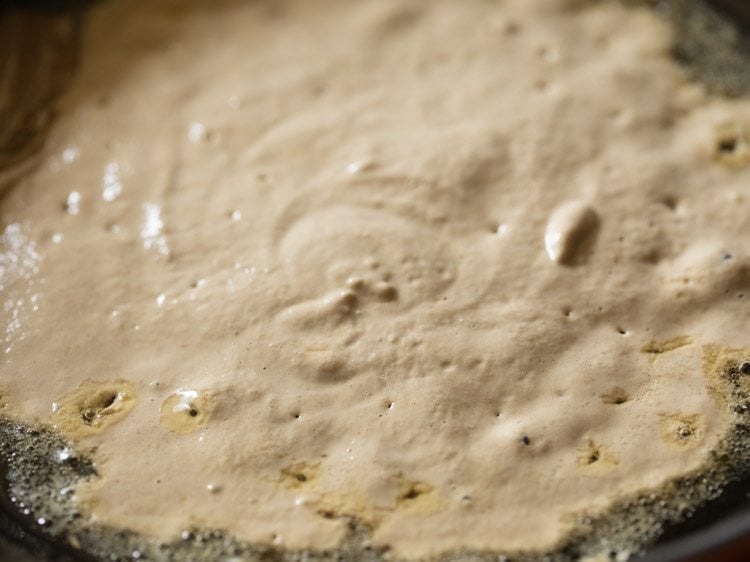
x=350 y=292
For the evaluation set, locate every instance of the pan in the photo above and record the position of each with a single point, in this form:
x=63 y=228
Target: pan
x=47 y=31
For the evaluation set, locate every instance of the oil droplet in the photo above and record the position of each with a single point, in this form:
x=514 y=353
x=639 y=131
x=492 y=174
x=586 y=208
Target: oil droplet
x=70 y=154
x=73 y=203
x=197 y=132
x=111 y=183
x=151 y=231
x=359 y=166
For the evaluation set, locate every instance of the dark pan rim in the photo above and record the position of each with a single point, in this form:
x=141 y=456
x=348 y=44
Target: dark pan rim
x=728 y=539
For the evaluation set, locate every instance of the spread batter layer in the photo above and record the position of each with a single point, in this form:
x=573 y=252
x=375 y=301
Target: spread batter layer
x=459 y=272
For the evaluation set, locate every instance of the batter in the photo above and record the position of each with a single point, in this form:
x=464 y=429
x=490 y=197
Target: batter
x=448 y=268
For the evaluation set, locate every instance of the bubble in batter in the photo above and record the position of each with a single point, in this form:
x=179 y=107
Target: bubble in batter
x=186 y=411
x=93 y=407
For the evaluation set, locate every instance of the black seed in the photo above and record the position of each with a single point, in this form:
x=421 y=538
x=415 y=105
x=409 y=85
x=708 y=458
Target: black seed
x=526 y=440
x=412 y=493
x=745 y=368
x=193 y=412
x=301 y=477
x=684 y=432
x=728 y=145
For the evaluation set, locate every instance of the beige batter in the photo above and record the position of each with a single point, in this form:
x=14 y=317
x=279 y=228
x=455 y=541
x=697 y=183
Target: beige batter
x=448 y=267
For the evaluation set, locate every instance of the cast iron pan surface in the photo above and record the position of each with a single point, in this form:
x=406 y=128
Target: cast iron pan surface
x=717 y=532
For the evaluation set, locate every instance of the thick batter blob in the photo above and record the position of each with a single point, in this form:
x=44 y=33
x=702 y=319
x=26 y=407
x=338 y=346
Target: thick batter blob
x=445 y=267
